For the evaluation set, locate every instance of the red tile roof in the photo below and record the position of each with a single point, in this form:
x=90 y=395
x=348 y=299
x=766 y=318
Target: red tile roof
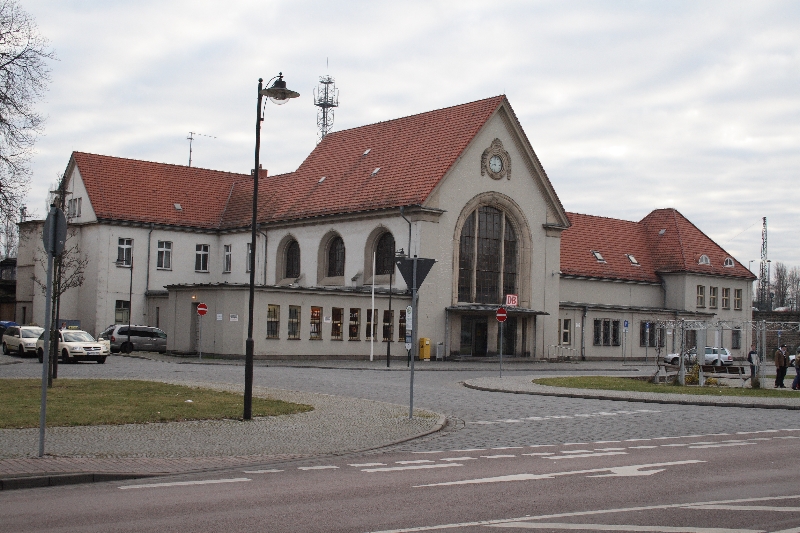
x=677 y=249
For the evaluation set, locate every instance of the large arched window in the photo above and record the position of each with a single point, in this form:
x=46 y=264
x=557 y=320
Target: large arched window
x=292 y=260
x=487 y=266
x=336 y=257
x=384 y=255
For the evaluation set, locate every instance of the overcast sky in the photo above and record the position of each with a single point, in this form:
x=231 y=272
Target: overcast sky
x=630 y=105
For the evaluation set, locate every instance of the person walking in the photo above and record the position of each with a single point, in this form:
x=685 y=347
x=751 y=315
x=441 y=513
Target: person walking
x=780 y=366
x=752 y=358
x=796 y=382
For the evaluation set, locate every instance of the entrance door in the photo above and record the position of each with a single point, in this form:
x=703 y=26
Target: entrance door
x=474 y=335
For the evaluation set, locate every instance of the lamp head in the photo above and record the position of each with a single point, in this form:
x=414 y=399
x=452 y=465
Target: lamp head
x=278 y=93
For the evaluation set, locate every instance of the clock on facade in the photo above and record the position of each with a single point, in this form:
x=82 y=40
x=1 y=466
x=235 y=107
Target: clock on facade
x=495 y=163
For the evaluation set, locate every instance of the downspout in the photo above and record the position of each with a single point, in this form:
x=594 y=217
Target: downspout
x=402 y=214
x=583 y=332
x=147 y=275
x=265 y=256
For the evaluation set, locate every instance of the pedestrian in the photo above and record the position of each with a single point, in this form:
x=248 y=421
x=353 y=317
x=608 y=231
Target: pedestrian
x=781 y=362
x=796 y=382
x=752 y=358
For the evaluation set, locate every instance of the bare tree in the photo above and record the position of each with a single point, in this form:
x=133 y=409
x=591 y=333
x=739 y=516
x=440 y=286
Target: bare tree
x=794 y=288
x=24 y=75
x=780 y=284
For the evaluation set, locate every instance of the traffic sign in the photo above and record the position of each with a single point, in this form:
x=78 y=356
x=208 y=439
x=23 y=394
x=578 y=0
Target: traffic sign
x=511 y=300
x=409 y=319
x=57 y=223
x=202 y=309
x=626 y=323
x=501 y=314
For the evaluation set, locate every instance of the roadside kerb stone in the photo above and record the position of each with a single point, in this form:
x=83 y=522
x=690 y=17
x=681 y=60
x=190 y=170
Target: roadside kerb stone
x=337 y=426
x=525 y=385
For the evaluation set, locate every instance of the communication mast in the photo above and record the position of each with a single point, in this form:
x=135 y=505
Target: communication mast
x=763 y=275
x=326 y=97
x=190 y=138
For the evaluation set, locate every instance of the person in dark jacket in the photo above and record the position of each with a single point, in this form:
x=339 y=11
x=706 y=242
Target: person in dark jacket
x=781 y=365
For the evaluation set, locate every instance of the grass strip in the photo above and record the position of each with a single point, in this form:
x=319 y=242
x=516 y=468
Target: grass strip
x=90 y=402
x=638 y=385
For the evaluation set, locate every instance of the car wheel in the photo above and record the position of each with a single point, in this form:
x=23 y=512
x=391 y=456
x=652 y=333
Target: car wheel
x=127 y=347
x=65 y=358
x=21 y=351
x=674 y=361
x=717 y=362
x=40 y=353
x=101 y=360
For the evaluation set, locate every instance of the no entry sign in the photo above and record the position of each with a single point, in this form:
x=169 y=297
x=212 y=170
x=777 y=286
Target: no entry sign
x=202 y=309
x=501 y=314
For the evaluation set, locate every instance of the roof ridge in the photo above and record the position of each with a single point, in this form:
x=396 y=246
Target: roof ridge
x=159 y=163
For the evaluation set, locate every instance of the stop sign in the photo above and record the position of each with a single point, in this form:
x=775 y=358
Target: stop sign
x=202 y=309
x=501 y=314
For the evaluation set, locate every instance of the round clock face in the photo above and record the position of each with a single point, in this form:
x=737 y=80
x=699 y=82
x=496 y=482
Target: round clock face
x=495 y=164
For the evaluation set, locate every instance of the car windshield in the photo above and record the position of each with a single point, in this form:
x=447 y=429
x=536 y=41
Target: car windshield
x=32 y=333
x=77 y=336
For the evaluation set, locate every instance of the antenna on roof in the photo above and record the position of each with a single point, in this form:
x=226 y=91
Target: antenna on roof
x=190 y=138
x=326 y=97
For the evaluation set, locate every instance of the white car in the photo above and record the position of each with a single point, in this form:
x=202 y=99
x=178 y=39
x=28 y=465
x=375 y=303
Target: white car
x=77 y=345
x=21 y=339
x=714 y=356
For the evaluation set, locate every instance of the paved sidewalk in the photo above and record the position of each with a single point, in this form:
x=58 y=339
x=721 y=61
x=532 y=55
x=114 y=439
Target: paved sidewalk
x=524 y=385
x=336 y=426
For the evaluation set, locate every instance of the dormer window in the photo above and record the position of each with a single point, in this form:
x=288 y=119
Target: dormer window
x=375 y=172
x=704 y=260
x=366 y=151
x=177 y=207
x=597 y=255
x=728 y=262
x=632 y=259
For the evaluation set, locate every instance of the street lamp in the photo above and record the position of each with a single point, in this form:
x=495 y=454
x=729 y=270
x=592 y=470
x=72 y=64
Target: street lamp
x=123 y=263
x=278 y=94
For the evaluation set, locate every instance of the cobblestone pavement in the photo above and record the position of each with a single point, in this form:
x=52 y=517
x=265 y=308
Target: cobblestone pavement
x=476 y=419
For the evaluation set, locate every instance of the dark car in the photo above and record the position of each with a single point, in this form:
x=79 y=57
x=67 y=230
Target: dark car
x=142 y=338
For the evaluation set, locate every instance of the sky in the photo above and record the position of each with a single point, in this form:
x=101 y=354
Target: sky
x=630 y=105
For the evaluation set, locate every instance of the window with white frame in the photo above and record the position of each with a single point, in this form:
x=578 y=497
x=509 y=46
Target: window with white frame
x=122 y=311
x=565 y=331
x=74 y=207
x=737 y=299
x=124 y=250
x=201 y=258
x=227 y=258
x=726 y=298
x=164 y=256
x=712 y=297
x=701 y=296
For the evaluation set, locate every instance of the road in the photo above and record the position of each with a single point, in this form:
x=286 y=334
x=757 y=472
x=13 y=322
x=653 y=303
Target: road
x=504 y=461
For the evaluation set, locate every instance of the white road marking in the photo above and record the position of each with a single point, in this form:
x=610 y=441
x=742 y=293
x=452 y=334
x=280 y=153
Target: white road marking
x=622 y=527
x=541 y=445
x=418 y=461
x=606 y=441
x=635 y=440
x=788 y=437
x=584 y=455
x=608 y=449
x=185 y=483
x=721 y=445
x=576 y=443
x=459 y=459
x=538 y=454
x=591 y=513
x=666 y=438
x=497 y=456
x=615 y=471
x=321 y=467
x=642 y=447
x=361 y=465
x=507 y=448
x=270 y=471
x=576 y=451
x=410 y=467
x=676 y=445
x=756 y=432
x=728 y=507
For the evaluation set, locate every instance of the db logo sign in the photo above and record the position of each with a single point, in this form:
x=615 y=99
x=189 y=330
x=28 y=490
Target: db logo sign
x=511 y=300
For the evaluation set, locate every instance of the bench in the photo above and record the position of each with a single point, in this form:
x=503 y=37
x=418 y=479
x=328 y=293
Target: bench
x=721 y=371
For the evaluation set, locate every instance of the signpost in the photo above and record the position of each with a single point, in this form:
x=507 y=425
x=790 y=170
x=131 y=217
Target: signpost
x=202 y=309
x=501 y=317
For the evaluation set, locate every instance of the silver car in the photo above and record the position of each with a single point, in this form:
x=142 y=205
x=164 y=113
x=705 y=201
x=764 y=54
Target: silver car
x=142 y=338
x=21 y=339
x=77 y=345
x=713 y=356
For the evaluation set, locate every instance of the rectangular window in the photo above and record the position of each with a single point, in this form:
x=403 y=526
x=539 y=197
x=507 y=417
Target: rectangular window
x=316 y=324
x=336 y=323
x=388 y=325
x=294 y=322
x=227 y=258
x=597 y=338
x=122 y=311
x=355 y=324
x=249 y=257
x=606 y=332
x=273 y=321
x=701 y=296
x=565 y=329
x=164 y=257
x=652 y=336
x=124 y=249
x=372 y=326
x=74 y=207
x=737 y=299
x=712 y=297
x=736 y=339
x=726 y=298
x=201 y=258
x=401 y=326
x=615 y=333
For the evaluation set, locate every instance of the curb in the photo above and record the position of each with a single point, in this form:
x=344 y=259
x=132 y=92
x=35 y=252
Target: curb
x=38 y=480
x=639 y=399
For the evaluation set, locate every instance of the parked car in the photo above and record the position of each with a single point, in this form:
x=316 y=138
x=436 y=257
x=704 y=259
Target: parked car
x=76 y=345
x=713 y=356
x=142 y=338
x=5 y=324
x=21 y=339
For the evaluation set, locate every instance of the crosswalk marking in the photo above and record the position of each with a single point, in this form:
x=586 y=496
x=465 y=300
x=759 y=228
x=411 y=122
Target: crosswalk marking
x=360 y=465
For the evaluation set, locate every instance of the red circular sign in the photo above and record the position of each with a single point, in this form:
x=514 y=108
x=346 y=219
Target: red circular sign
x=202 y=309
x=501 y=314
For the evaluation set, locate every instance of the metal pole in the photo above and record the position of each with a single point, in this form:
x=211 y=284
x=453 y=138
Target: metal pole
x=501 y=348
x=200 y=340
x=414 y=337
x=391 y=316
x=374 y=318
x=249 y=343
x=47 y=307
x=130 y=304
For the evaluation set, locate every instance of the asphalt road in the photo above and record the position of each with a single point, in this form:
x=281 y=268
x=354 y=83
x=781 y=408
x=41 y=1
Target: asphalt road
x=504 y=461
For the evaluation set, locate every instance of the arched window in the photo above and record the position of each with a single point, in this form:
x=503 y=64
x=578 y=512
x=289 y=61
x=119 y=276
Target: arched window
x=292 y=260
x=487 y=257
x=384 y=255
x=336 y=257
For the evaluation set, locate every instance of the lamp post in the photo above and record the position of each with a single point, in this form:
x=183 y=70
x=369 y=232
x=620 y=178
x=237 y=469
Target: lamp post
x=278 y=94
x=122 y=263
